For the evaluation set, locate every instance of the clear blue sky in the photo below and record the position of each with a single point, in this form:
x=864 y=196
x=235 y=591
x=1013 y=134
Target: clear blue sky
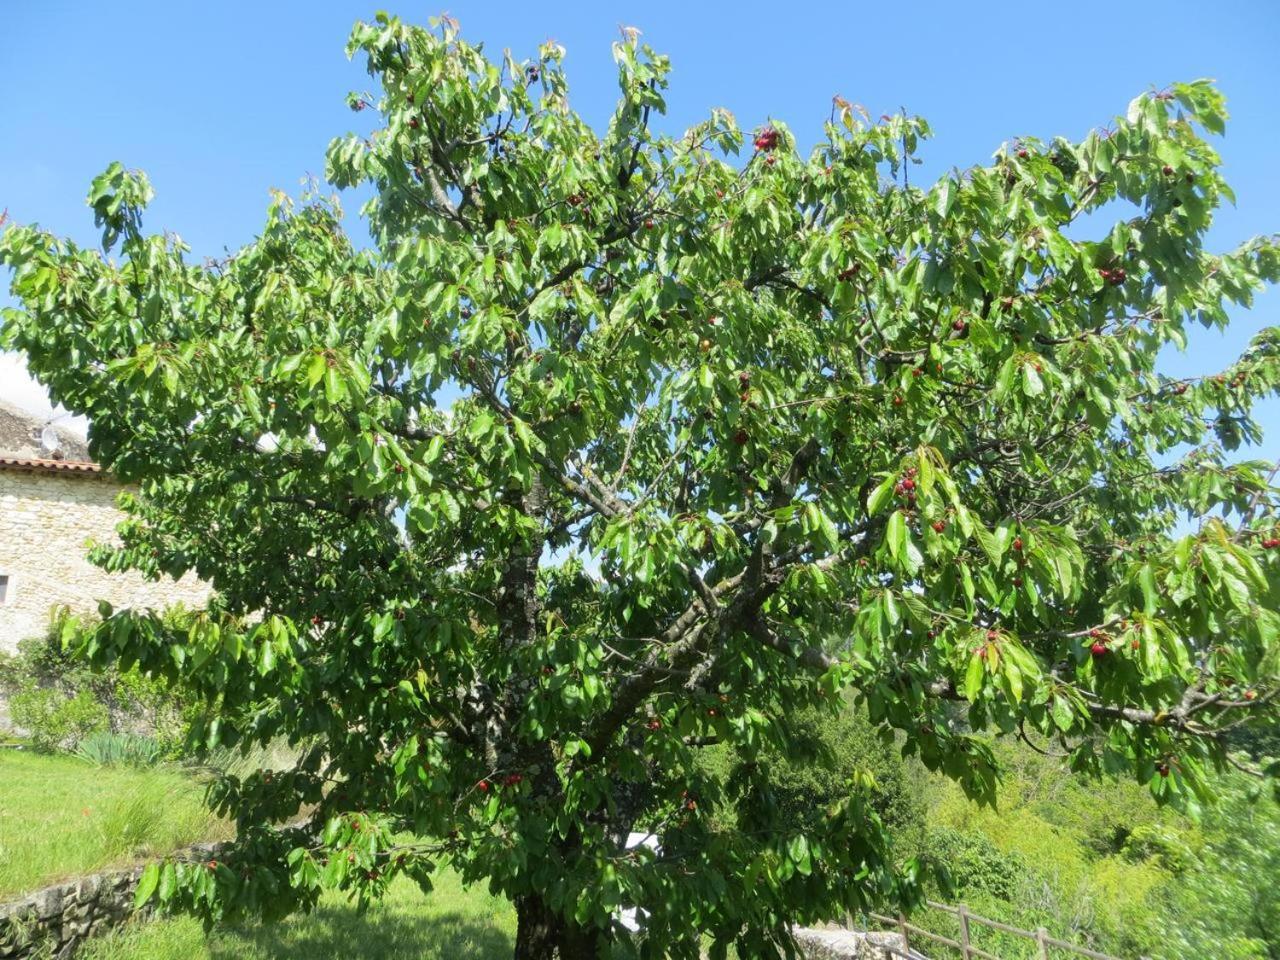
x=221 y=100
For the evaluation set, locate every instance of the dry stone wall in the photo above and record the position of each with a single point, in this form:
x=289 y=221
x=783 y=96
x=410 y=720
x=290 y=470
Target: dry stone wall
x=55 y=921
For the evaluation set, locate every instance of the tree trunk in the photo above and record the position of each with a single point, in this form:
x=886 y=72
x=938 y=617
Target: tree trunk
x=536 y=930
x=544 y=935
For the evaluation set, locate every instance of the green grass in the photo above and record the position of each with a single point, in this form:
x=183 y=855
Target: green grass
x=451 y=922
x=61 y=817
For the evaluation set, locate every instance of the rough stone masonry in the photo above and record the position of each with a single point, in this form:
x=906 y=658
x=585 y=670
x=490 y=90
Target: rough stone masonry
x=51 y=508
x=55 y=921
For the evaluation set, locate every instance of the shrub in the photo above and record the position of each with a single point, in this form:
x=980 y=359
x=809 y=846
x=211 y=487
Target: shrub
x=53 y=719
x=827 y=750
x=59 y=700
x=976 y=865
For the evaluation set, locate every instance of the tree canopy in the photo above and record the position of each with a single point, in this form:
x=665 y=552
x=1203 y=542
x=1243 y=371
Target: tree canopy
x=614 y=446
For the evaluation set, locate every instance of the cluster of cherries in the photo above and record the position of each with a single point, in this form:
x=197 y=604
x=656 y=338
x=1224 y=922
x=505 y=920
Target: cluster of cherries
x=510 y=780
x=1271 y=543
x=1114 y=275
x=905 y=488
x=766 y=139
x=1098 y=648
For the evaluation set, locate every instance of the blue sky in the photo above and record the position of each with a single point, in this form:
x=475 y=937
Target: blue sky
x=221 y=101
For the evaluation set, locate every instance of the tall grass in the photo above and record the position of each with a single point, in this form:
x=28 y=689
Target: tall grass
x=60 y=818
x=106 y=749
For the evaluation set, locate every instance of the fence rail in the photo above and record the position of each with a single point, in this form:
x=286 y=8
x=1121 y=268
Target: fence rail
x=909 y=931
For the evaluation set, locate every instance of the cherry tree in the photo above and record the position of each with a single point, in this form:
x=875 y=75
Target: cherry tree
x=614 y=446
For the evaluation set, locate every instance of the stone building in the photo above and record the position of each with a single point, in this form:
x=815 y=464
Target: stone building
x=53 y=502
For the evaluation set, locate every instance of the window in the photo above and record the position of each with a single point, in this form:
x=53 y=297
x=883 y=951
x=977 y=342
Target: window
x=4 y=588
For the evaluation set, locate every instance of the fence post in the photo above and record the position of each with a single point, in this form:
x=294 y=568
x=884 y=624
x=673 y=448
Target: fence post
x=906 y=939
x=1042 y=938
x=964 y=931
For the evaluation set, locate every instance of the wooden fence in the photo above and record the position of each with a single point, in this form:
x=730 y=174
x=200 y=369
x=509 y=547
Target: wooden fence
x=1048 y=947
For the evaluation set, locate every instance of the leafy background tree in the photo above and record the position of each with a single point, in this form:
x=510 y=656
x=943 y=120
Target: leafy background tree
x=617 y=448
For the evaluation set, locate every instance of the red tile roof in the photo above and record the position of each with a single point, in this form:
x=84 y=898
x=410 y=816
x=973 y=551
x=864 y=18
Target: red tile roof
x=55 y=466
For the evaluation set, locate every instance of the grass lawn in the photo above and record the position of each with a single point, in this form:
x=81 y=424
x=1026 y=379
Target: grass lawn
x=451 y=922
x=61 y=817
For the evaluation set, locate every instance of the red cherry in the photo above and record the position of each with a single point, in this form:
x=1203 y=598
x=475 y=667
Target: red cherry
x=770 y=160
x=1098 y=648
x=1023 y=154
x=1251 y=694
x=317 y=620
x=993 y=635
x=483 y=786
x=1167 y=170
x=908 y=484
x=213 y=864
x=649 y=224
x=959 y=326
x=1017 y=581
x=741 y=438
x=413 y=123
x=939 y=526
x=917 y=372
x=1017 y=544
x=897 y=399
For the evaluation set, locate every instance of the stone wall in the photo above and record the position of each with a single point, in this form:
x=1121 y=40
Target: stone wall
x=835 y=944
x=47 y=519
x=53 y=922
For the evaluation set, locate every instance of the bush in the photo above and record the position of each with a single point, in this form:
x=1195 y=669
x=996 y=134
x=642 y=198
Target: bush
x=828 y=750
x=59 y=701
x=55 y=719
x=977 y=866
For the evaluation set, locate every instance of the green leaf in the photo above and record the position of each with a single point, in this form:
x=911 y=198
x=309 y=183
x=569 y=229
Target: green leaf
x=881 y=495
x=146 y=884
x=974 y=677
x=896 y=535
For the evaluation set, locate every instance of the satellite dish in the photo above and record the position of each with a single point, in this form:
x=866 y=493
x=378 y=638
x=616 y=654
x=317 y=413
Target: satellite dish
x=50 y=443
